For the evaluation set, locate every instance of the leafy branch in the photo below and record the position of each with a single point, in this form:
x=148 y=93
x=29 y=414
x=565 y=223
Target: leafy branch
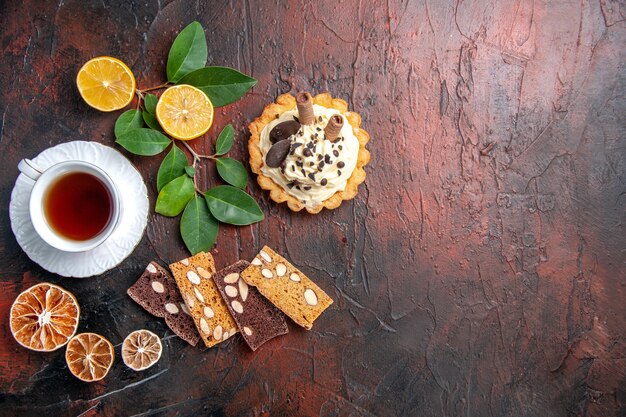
x=139 y=132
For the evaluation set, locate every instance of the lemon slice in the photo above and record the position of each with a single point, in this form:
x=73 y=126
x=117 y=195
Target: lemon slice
x=89 y=356
x=141 y=349
x=44 y=317
x=184 y=112
x=106 y=83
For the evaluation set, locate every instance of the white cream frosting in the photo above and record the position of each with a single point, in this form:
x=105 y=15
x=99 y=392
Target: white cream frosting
x=304 y=181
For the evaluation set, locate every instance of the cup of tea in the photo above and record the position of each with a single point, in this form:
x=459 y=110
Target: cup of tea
x=74 y=205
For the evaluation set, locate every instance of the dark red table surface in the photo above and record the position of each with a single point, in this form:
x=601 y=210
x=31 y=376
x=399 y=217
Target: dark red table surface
x=479 y=272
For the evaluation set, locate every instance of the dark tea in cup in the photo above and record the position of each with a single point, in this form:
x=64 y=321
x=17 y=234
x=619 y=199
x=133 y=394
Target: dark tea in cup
x=74 y=205
x=78 y=206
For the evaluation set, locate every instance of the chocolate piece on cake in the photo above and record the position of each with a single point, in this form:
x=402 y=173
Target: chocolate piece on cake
x=258 y=320
x=286 y=287
x=333 y=128
x=304 y=103
x=156 y=291
x=208 y=309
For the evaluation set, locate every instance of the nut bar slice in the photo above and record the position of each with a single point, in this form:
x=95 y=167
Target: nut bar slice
x=286 y=287
x=258 y=320
x=157 y=293
x=208 y=309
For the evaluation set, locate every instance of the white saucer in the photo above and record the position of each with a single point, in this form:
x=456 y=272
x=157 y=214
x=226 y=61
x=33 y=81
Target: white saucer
x=133 y=220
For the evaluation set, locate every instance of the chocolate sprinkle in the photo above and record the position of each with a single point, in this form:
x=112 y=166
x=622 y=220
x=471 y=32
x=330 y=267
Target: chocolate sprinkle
x=336 y=152
x=312 y=176
x=327 y=158
x=307 y=152
x=323 y=182
x=341 y=164
x=307 y=187
x=321 y=165
x=340 y=147
x=338 y=173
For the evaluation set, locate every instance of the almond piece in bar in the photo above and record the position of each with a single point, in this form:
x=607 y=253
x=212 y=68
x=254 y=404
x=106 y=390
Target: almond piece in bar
x=208 y=309
x=157 y=293
x=258 y=320
x=286 y=287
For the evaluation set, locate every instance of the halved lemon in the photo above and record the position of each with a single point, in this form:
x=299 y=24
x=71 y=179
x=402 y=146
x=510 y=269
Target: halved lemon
x=106 y=83
x=44 y=317
x=141 y=349
x=184 y=112
x=89 y=356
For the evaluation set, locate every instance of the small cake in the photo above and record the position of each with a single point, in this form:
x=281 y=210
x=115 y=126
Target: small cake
x=258 y=320
x=308 y=151
x=208 y=309
x=157 y=293
x=286 y=287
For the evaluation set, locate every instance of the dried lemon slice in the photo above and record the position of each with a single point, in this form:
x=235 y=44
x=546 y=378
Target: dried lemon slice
x=44 y=317
x=141 y=349
x=106 y=83
x=89 y=356
x=184 y=112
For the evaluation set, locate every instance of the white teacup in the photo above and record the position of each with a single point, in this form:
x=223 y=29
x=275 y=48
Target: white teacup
x=43 y=180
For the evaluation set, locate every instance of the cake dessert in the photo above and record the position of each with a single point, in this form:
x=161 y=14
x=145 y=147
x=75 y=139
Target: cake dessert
x=308 y=151
x=286 y=287
x=258 y=320
x=156 y=291
x=204 y=302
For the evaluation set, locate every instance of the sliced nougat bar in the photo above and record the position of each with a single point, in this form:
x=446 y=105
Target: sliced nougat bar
x=208 y=309
x=157 y=293
x=258 y=320
x=286 y=287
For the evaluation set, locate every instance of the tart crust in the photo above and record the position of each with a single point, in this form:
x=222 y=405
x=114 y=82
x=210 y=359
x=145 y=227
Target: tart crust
x=286 y=102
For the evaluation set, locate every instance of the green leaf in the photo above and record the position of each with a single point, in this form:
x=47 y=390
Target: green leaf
x=172 y=167
x=223 y=85
x=231 y=205
x=198 y=227
x=174 y=196
x=150 y=102
x=232 y=171
x=151 y=121
x=188 y=52
x=225 y=140
x=189 y=170
x=145 y=142
x=129 y=120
